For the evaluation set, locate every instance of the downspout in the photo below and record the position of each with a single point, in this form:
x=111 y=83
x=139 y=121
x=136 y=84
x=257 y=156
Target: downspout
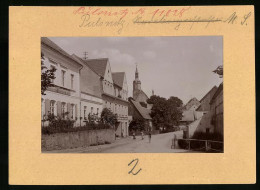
x=80 y=96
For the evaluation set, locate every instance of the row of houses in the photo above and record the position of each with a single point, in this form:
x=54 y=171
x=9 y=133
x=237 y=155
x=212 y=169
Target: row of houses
x=83 y=87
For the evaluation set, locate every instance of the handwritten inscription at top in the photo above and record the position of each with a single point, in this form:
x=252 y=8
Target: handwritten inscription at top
x=120 y=18
x=122 y=13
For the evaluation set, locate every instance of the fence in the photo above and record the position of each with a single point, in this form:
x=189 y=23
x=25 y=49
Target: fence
x=201 y=145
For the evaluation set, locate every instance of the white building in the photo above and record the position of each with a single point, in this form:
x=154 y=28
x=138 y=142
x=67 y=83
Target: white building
x=75 y=94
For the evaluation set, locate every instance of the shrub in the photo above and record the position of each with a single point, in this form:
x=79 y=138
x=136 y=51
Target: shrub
x=66 y=126
x=107 y=142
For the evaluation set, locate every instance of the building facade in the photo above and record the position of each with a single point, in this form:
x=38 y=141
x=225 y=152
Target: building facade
x=216 y=108
x=63 y=97
x=91 y=102
x=113 y=91
x=77 y=91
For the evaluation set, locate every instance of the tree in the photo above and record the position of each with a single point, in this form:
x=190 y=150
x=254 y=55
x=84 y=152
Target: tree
x=47 y=76
x=108 y=117
x=165 y=113
x=137 y=125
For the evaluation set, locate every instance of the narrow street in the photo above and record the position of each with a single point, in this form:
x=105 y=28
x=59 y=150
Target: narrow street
x=160 y=143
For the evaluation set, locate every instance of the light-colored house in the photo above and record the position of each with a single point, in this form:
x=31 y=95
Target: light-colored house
x=64 y=95
x=113 y=90
x=90 y=92
x=192 y=104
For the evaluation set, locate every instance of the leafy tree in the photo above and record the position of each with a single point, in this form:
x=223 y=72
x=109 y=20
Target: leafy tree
x=108 y=117
x=47 y=76
x=137 y=125
x=165 y=113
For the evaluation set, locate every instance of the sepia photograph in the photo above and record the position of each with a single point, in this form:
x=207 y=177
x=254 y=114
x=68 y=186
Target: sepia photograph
x=132 y=94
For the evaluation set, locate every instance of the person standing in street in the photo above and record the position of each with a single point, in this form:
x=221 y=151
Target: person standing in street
x=142 y=134
x=133 y=135
x=150 y=136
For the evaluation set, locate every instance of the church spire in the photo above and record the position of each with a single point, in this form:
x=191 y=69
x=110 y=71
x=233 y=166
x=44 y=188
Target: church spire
x=136 y=73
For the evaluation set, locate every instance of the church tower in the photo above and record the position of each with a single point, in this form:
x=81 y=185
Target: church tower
x=136 y=84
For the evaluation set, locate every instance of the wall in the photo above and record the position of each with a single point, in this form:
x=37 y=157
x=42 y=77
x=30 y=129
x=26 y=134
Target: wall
x=62 y=99
x=76 y=139
x=205 y=122
x=217 y=109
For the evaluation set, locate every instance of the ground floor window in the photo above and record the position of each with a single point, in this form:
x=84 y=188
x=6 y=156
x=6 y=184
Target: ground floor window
x=72 y=111
x=52 y=107
x=85 y=112
x=63 y=104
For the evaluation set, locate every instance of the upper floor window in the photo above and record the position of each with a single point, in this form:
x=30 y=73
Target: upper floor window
x=63 y=77
x=52 y=67
x=72 y=81
x=97 y=110
x=92 y=110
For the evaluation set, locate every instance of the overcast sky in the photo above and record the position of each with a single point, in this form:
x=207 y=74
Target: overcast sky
x=172 y=66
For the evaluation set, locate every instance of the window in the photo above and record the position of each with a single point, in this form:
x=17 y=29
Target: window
x=63 y=109
x=72 y=81
x=91 y=110
x=97 y=110
x=72 y=111
x=85 y=112
x=52 y=67
x=52 y=107
x=63 y=77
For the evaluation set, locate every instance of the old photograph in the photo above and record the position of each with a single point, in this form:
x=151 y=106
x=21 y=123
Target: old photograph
x=160 y=94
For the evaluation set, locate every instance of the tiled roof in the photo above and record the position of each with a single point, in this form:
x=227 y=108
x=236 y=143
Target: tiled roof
x=141 y=92
x=219 y=90
x=214 y=88
x=54 y=46
x=118 y=78
x=145 y=113
x=195 y=99
x=98 y=65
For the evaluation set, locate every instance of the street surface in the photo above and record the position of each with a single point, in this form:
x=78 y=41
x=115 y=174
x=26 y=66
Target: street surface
x=160 y=143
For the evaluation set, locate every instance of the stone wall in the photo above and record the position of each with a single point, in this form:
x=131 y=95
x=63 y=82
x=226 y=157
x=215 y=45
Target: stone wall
x=59 y=141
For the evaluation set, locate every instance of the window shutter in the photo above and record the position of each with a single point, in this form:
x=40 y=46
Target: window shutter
x=47 y=106
x=59 y=108
x=69 y=110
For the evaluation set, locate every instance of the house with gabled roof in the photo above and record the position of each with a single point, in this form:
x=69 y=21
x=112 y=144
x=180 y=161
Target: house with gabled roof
x=113 y=89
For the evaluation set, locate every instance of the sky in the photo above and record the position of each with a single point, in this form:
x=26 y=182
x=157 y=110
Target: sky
x=171 y=66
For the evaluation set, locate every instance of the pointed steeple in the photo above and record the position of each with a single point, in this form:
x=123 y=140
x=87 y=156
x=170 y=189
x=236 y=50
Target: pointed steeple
x=136 y=73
